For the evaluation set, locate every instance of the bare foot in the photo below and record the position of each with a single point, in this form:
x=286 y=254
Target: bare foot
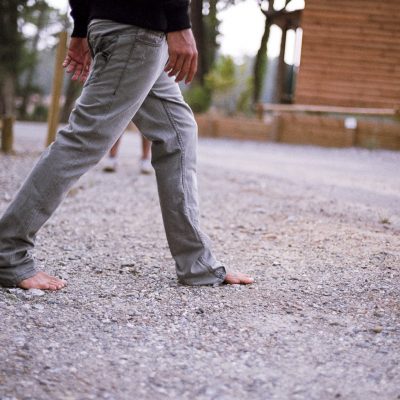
x=42 y=281
x=233 y=278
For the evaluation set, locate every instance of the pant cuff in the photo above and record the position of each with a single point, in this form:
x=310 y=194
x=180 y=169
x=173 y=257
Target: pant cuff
x=210 y=277
x=17 y=274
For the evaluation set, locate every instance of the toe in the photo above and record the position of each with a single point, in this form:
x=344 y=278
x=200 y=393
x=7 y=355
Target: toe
x=232 y=279
x=58 y=282
x=245 y=279
x=238 y=278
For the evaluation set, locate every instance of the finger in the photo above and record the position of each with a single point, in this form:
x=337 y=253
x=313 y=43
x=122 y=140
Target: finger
x=86 y=71
x=192 y=70
x=171 y=62
x=84 y=76
x=78 y=72
x=66 y=61
x=177 y=67
x=184 y=70
x=88 y=63
x=71 y=66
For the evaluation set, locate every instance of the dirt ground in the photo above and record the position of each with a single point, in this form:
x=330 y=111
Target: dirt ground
x=318 y=228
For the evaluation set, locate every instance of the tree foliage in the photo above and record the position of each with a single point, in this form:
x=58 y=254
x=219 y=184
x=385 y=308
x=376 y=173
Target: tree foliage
x=25 y=28
x=222 y=77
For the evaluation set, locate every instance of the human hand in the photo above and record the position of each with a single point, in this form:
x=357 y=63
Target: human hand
x=182 y=62
x=78 y=59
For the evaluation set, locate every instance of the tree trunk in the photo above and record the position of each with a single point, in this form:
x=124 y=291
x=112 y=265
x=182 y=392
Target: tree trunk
x=280 y=79
x=260 y=63
x=7 y=95
x=73 y=91
x=27 y=88
x=9 y=54
x=211 y=35
x=196 y=13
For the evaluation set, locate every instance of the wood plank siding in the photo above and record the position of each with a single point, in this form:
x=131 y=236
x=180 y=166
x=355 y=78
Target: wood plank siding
x=350 y=54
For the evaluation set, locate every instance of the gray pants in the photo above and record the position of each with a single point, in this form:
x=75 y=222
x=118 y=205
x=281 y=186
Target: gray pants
x=127 y=82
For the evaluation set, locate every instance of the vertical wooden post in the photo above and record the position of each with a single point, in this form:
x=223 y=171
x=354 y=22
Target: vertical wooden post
x=276 y=127
x=7 y=136
x=260 y=111
x=54 y=109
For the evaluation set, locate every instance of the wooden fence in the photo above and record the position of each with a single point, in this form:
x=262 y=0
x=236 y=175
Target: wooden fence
x=340 y=129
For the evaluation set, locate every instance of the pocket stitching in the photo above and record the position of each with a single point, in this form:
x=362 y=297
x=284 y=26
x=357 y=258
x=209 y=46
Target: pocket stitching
x=157 y=38
x=99 y=53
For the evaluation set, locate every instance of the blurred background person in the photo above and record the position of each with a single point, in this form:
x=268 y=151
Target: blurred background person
x=111 y=161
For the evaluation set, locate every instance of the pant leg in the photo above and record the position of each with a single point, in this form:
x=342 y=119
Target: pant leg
x=127 y=62
x=166 y=120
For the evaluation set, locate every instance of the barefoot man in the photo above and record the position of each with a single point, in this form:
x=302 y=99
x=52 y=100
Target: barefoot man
x=130 y=56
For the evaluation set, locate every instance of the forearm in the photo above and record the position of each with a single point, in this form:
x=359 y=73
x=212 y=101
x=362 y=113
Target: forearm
x=80 y=15
x=177 y=13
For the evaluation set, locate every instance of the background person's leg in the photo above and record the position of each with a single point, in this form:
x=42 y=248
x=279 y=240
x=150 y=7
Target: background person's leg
x=145 y=161
x=117 y=86
x=114 y=150
x=168 y=122
x=111 y=162
x=146 y=148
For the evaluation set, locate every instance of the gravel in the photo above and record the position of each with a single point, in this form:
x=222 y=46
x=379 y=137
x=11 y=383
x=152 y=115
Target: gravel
x=318 y=228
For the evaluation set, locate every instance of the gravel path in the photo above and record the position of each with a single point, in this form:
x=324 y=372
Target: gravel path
x=318 y=228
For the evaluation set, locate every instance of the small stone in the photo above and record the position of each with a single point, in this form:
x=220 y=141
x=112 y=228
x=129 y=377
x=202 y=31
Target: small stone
x=35 y=293
x=378 y=314
x=276 y=263
x=377 y=329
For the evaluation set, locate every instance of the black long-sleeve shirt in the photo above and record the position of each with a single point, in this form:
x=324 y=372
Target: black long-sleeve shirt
x=159 y=15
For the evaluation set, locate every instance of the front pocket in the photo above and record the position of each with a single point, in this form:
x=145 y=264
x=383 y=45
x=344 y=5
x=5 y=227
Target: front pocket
x=152 y=38
x=102 y=50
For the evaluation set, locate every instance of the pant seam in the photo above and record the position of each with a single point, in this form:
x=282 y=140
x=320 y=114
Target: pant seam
x=17 y=277
x=180 y=143
x=126 y=64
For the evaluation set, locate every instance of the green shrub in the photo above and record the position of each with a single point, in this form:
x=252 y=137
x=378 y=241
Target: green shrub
x=198 y=98
x=39 y=113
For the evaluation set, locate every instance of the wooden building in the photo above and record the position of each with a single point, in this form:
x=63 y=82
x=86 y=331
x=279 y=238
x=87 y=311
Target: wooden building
x=346 y=91
x=350 y=54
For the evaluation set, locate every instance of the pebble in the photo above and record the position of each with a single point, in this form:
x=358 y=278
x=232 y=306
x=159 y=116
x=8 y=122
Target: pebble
x=377 y=329
x=141 y=334
x=35 y=293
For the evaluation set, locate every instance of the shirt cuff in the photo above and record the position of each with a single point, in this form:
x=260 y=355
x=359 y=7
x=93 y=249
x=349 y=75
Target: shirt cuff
x=177 y=18
x=80 y=29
